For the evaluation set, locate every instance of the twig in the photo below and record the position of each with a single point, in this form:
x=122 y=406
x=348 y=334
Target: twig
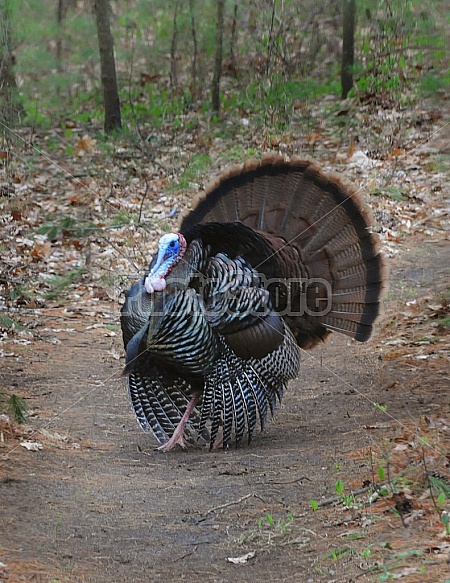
x=233 y=502
x=144 y=196
x=427 y=474
x=292 y=481
x=186 y=555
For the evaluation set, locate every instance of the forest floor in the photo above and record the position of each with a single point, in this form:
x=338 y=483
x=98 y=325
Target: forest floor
x=350 y=482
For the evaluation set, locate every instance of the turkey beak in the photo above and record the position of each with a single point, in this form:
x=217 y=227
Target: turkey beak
x=155 y=281
x=159 y=261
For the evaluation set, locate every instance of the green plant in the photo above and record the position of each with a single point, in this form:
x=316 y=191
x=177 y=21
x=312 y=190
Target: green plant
x=15 y=406
x=392 y=42
x=444 y=321
x=10 y=324
x=281 y=525
x=66 y=226
x=382 y=408
x=59 y=284
x=348 y=500
x=273 y=99
x=337 y=553
x=445 y=519
x=57 y=526
x=121 y=218
x=271 y=531
x=383 y=489
x=195 y=168
x=112 y=327
x=390 y=191
x=20 y=294
x=431 y=83
x=440 y=485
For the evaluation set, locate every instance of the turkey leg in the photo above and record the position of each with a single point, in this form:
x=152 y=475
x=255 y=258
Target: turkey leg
x=178 y=435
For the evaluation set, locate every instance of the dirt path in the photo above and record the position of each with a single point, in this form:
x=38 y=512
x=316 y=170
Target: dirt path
x=98 y=504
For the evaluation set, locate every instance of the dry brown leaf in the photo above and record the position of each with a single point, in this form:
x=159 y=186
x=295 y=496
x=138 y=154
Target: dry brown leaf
x=41 y=250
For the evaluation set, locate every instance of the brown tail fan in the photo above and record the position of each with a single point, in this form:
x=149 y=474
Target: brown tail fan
x=315 y=227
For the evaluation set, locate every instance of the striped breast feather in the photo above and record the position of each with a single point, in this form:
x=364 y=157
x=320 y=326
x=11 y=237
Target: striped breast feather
x=181 y=334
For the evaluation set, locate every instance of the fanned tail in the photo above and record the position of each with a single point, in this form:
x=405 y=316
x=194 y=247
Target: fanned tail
x=294 y=223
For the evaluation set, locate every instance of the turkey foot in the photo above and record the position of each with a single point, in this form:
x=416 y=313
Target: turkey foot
x=178 y=435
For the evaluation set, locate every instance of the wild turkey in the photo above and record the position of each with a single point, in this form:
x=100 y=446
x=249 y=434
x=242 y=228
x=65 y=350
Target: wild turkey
x=273 y=257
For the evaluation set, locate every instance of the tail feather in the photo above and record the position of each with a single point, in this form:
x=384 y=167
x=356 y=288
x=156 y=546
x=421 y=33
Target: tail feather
x=316 y=226
x=273 y=387
x=359 y=332
x=142 y=407
x=360 y=294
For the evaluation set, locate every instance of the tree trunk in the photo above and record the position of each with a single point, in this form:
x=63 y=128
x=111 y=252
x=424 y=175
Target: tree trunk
x=173 y=47
x=10 y=105
x=108 y=66
x=348 y=46
x=218 y=57
x=195 y=52
x=233 y=38
x=270 y=44
x=61 y=10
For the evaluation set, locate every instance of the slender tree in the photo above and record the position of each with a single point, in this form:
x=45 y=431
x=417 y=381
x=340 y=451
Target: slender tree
x=218 y=57
x=173 y=46
x=108 y=66
x=233 y=37
x=195 y=51
x=348 y=45
x=61 y=11
x=10 y=105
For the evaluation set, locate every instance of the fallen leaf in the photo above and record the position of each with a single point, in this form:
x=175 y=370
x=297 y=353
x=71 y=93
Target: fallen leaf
x=54 y=436
x=405 y=572
x=242 y=559
x=85 y=144
x=42 y=250
x=31 y=445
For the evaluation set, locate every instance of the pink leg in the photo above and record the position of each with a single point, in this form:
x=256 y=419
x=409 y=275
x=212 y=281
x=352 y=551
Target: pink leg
x=218 y=443
x=178 y=435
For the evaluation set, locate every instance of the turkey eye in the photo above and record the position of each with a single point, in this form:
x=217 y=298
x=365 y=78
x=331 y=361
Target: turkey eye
x=172 y=244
